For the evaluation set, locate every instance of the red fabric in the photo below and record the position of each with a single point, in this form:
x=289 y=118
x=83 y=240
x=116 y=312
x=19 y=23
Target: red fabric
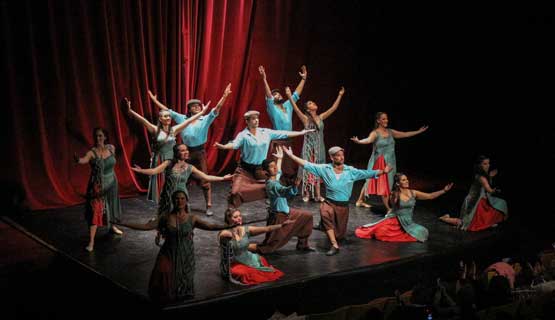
x=379 y=186
x=387 y=230
x=249 y=275
x=485 y=216
x=98 y=212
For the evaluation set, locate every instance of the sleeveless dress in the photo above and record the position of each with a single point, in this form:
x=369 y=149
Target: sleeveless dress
x=103 y=203
x=383 y=153
x=314 y=150
x=161 y=151
x=248 y=267
x=172 y=278
x=173 y=181
x=481 y=210
x=396 y=226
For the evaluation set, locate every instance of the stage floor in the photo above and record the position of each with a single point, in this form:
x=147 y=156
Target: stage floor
x=127 y=260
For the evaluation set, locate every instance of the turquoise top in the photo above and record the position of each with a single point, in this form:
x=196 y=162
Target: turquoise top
x=278 y=194
x=196 y=133
x=255 y=148
x=281 y=120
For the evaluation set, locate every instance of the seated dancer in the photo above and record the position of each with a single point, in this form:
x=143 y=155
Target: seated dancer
x=248 y=180
x=163 y=142
x=279 y=211
x=339 y=179
x=397 y=226
x=177 y=173
x=480 y=209
x=172 y=278
x=244 y=265
x=195 y=136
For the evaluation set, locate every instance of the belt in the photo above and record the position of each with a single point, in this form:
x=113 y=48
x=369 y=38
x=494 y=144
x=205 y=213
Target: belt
x=338 y=203
x=196 y=148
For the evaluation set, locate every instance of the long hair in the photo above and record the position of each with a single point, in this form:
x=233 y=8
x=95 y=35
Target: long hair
x=478 y=166
x=377 y=117
x=395 y=196
x=103 y=131
x=176 y=152
x=228 y=213
x=174 y=201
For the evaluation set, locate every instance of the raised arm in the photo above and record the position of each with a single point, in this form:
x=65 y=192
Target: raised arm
x=204 y=225
x=485 y=183
x=300 y=114
x=254 y=231
x=152 y=171
x=84 y=160
x=178 y=128
x=370 y=139
x=408 y=134
x=227 y=91
x=156 y=102
x=279 y=157
x=149 y=126
x=151 y=225
x=267 y=89
x=335 y=105
x=303 y=74
x=429 y=196
x=299 y=161
x=209 y=178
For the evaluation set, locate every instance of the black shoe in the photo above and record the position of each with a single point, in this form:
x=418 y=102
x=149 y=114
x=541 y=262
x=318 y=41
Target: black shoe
x=333 y=251
x=306 y=249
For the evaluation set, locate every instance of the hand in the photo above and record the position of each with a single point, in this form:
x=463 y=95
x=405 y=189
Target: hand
x=227 y=90
x=422 y=129
x=152 y=96
x=355 y=140
x=205 y=107
x=75 y=157
x=387 y=169
x=219 y=145
x=288 y=92
x=288 y=221
x=493 y=173
x=303 y=72
x=288 y=151
x=136 y=168
x=262 y=72
x=279 y=152
x=128 y=103
x=341 y=91
x=228 y=177
x=448 y=187
x=305 y=131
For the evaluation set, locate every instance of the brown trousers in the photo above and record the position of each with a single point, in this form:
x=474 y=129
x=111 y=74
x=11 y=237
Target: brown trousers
x=334 y=217
x=288 y=166
x=246 y=187
x=301 y=228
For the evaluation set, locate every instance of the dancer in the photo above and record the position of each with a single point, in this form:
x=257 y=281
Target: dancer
x=249 y=179
x=102 y=204
x=314 y=149
x=246 y=266
x=480 y=209
x=280 y=211
x=177 y=173
x=280 y=112
x=195 y=136
x=383 y=152
x=398 y=226
x=172 y=278
x=164 y=136
x=339 y=179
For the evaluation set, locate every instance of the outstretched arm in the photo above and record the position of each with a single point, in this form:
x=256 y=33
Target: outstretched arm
x=408 y=134
x=227 y=146
x=370 y=139
x=204 y=225
x=266 y=85
x=152 y=171
x=254 y=231
x=149 y=126
x=335 y=105
x=178 y=128
x=151 y=225
x=303 y=74
x=429 y=196
x=299 y=161
x=209 y=178
x=88 y=156
x=293 y=134
x=300 y=114
x=156 y=102
x=227 y=91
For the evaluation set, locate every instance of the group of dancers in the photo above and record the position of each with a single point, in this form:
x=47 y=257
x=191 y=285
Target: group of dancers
x=267 y=169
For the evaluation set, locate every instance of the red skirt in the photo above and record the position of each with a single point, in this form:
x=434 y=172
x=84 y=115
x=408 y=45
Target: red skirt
x=485 y=216
x=387 y=230
x=379 y=186
x=250 y=275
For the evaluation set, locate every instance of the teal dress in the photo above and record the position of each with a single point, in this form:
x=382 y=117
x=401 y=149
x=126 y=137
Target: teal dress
x=172 y=278
x=382 y=147
x=314 y=150
x=471 y=201
x=404 y=215
x=162 y=150
x=174 y=180
x=103 y=205
x=244 y=256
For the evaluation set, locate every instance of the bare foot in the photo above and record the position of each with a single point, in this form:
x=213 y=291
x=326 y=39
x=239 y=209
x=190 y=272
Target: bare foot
x=116 y=230
x=90 y=247
x=362 y=204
